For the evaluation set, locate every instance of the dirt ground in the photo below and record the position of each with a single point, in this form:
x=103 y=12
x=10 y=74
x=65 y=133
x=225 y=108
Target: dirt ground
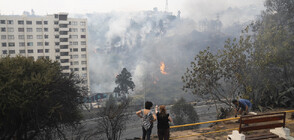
x=197 y=134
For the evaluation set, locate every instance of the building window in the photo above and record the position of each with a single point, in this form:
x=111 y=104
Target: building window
x=4 y=52
x=39 y=30
x=84 y=68
x=30 y=44
x=76 y=69
x=20 y=22
x=3 y=29
x=40 y=50
x=55 y=22
x=75 y=49
x=22 y=51
x=83 y=49
x=62 y=17
x=57 y=50
x=10 y=29
x=83 y=36
x=83 y=29
x=57 y=57
x=56 y=29
x=73 y=36
x=83 y=42
x=39 y=22
x=46 y=22
x=9 y=21
x=76 y=62
x=55 y=15
x=63 y=53
x=46 y=36
x=63 y=25
x=75 y=43
x=46 y=43
x=39 y=43
x=63 y=46
x=83 y=62
x=39 y=37
x=63 y=33
x=74 y=23
x=29 y=29
x=63 y=39
x=29 y=36
x=64 y=60
x=11 y=51
x=45 y=29
x=82 y=23
x=21 y=44
x=20 y=29
x=4 y=44
x=3 y=36
x=11 y=37
x=73 y=29
x=2 y=21
x=30 y=51
x=46 y=50
x=11 y=44
x=83 y=56
x=75 y=56
x=56 y=36
x=56 y=43
x=20 y=36
x=29 y=22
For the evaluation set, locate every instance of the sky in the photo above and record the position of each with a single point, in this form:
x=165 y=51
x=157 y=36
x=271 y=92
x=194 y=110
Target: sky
x=188 y=8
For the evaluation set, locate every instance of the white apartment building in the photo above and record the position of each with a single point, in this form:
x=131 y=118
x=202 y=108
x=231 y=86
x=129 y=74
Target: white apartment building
x=56 y=37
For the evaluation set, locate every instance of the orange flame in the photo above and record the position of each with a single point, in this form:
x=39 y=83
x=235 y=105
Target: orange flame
x=162 y=68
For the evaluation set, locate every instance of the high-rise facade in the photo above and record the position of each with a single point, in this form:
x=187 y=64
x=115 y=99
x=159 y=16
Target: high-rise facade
x=56 y=37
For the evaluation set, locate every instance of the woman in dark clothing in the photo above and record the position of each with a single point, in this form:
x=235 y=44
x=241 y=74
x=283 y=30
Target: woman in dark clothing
x=163 y=120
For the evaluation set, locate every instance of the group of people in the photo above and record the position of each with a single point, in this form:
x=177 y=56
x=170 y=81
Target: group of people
x=162 y=117
x=242 y=106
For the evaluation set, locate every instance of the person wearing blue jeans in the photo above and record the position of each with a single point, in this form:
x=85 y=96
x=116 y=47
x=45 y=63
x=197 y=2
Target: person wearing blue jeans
x=243 y=106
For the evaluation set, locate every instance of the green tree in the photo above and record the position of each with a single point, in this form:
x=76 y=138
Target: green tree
x=184 y=113
x=221 y=76
x=124 y=82
x=273 y=74
x=37 y=99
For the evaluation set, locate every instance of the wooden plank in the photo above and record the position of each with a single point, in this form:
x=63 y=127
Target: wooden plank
x=262 y=119
x=249 y=116
x=267 y=126
x=261 y=137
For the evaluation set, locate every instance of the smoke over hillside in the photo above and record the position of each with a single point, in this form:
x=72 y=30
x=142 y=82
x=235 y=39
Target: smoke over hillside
x=142 y=42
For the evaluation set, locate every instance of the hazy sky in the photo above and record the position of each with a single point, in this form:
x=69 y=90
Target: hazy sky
x=188 y=7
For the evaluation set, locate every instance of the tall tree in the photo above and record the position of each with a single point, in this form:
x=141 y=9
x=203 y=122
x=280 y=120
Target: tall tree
x=37 y=99
x=124 y=82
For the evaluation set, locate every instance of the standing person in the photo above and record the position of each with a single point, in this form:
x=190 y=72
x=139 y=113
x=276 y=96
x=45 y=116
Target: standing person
x=163 y=120
x=243 y=106
x=148 y=119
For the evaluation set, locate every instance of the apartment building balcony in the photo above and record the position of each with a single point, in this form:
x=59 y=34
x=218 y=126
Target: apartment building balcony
x=63 y=22
x=63 y=36
x=63 y=43
x=63 y=29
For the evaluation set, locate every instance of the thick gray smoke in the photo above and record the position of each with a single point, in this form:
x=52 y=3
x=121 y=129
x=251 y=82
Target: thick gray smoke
x=141 y=41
